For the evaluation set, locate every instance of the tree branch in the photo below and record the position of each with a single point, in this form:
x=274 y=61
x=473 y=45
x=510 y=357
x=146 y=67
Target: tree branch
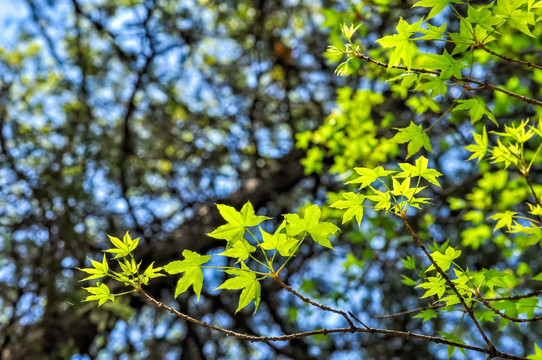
x=440 y=306
x=465 y=80
x=492 y=348
x=254 y=338
x=507 y=58
x=314 y=303
x=503 y=315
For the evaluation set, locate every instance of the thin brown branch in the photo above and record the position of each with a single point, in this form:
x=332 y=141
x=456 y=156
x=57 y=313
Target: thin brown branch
x=253 y=338
x=503 y=315
x=464 y=81
x=314 y=303
x=407 y=312
x=358 y=320
x=517 y=297
x=440 y=306
x=492 y=348
x=537 y=199
x=507 y=58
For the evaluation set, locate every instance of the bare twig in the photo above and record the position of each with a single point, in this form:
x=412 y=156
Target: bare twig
x=440 y=306
x=314 y=303
x=517 y=297
x=407 y=312
x=254 y=338
x=507 y=58
x=537 y=199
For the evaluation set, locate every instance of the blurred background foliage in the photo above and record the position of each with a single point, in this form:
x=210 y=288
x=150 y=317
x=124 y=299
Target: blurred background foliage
x=139 y=115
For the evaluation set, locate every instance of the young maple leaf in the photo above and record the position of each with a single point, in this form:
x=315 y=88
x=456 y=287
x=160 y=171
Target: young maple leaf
x=238 y=222
x=191 y=267
x=99 y=292
x=403 y=46
x=510 y=10
x=245 y=279
x=124 y=247
x=368 y=176
x=477 y=108
x=420 y=169
x=537 y=353
x=447 y=65
x=99 y=270
x=479 y=149
x=240 y=250
x=280 y=240
x=504 y=219
x=483 y=16
x=319 y=231
x=444 y=260
x=436 y=5
x=415 y=137
x=151 y=273
x=354 y=203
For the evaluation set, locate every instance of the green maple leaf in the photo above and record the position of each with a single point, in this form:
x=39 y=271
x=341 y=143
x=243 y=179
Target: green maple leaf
x=465 y=38
x=415 y=137
x=368 y=176
x=280 y=240
x=432 y=32
x=419 y=169
x=479 y=149
x=485 y=316
x=237 y=223
x=527 y=306
x=245 y=279
x=447 y=65
x=319 y=231
x=151 y=273
x=537 y=353
x=535 y=209
x=382 y=199
x=510 y=10
x=436 y=5
x=444 y=260
x=124 y=247
x=129 y=267
x=494 y=277
x=482 y=16
x=404 y=189
x=433 y=86
x=191 y=267
x=504 y=219
x=354 y=203
x=434 y=286
x=452 y=337
x=509 y=308
x=403 y=46
x=477 y=108
x=240 y=250
x=427 y=315
x=99 y=270
x=99 y=292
